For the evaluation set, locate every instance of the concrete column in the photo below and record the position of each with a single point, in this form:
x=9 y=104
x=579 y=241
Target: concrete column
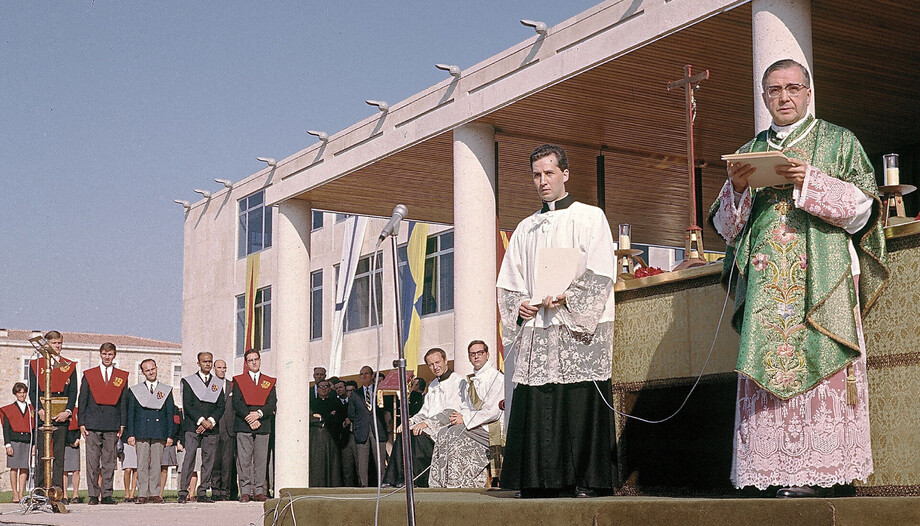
x=291 y=312
x=475 y=315
x=781 y=29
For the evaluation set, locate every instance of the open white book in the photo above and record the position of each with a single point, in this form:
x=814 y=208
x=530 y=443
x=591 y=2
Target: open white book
x=764 y=163
x=556 y=269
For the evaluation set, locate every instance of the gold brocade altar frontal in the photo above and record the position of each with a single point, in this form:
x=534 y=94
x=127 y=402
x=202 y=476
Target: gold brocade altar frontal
x=665 y=326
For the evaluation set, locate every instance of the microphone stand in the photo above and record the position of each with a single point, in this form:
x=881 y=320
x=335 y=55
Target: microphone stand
x=400 y=365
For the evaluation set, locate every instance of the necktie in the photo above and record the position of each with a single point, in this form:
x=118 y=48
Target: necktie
x=367 y=398
x=106 y=375
x=151 y=388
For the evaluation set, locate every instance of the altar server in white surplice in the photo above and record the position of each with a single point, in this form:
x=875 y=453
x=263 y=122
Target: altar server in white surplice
x=463 y=449
x=559 y=430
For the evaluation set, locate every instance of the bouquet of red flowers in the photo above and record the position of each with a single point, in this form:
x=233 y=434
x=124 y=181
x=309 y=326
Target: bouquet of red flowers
x=643 y=272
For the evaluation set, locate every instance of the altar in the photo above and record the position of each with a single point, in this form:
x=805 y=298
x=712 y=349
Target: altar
x=665 y=326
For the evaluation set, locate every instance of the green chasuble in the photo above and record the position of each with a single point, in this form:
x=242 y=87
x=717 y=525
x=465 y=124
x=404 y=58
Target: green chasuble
x=795 y=301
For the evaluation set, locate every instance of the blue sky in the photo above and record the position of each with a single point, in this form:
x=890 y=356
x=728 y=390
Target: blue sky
x=110 y=110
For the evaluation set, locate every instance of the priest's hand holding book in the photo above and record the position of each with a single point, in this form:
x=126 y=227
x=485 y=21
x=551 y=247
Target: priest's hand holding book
x=759 y=169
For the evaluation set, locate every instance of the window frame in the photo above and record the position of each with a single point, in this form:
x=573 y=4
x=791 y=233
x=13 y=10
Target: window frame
x=244 y=214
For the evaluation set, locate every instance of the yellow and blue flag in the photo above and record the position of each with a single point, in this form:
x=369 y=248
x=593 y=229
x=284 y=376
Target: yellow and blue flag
x=412 y=283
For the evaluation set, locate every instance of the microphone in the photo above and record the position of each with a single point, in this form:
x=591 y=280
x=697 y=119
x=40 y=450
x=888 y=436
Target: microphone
x=392 y=227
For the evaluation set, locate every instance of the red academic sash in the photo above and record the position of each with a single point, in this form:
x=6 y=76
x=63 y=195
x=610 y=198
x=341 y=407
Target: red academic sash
x=106 y=393
x=20 y=423
x=74 y=424
x=59 y=375
x=254 y=394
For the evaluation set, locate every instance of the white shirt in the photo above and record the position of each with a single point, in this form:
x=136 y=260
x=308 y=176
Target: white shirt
x=152 y=386
x=106 y=372
x=490 y=387
x=441 y=396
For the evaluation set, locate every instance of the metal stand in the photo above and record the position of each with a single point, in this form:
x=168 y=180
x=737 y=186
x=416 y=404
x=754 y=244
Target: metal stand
x=400 y=365
x=51 y=494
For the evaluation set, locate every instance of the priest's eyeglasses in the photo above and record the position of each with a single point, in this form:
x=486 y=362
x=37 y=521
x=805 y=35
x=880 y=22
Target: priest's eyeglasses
x=793 y=90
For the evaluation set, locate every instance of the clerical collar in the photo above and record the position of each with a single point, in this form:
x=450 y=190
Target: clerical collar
x=783 y=131
x=558 y=204
x=445 y=376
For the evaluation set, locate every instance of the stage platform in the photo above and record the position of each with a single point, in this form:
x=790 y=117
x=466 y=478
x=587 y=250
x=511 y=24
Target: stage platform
x=322 y=507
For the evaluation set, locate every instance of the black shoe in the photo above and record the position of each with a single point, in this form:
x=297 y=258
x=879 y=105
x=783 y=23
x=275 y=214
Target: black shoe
x=182 y=499
x=77 y=500
x=584 y=493
x=796 y=492
x=107 y=500
x=205 y=499
x=93 y=501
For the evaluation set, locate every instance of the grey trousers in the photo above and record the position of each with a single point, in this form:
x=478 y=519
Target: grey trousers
x=100 y=456
x=208 y=444
x=365 y=451
x=223 y=477
x=251 y=462
x=349 y=454
x=149 y=457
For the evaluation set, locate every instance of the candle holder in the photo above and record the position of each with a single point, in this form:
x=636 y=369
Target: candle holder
x=893 y=197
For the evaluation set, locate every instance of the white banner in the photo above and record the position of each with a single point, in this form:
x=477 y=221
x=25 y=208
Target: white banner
x=352 y=242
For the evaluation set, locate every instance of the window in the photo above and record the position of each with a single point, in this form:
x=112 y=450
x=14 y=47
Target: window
x=438 y=289
x=316 y=305
x=255 y=224
x=340 y=217
x=262 y=321
x=25 y=369
x=360 y=314
x=317 y=220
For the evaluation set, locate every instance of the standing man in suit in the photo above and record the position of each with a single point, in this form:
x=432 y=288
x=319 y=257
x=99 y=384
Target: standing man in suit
x=150 y=427
x=254 y=405
x=203 y=405
x=64 y=390
x=360 y=413
x=223 y=476
x=103 y=412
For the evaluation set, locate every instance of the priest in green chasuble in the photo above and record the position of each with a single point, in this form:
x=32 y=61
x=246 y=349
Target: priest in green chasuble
x=807 y=261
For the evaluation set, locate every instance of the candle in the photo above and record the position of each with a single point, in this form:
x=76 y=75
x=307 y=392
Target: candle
x=890 y=165
x=625 y=234
x=892 y=176
x=624 y=242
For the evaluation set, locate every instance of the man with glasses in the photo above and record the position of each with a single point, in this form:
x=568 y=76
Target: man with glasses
x=254 y=404
x=360 y=415
x=463 y=449
x=807 y=260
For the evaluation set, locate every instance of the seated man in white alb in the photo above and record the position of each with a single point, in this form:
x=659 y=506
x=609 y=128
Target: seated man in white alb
x=462 y=450
x=442 y=400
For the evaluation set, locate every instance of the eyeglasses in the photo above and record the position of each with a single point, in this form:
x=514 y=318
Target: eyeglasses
x=474 y=354
x=793 y=90
x=324 y=386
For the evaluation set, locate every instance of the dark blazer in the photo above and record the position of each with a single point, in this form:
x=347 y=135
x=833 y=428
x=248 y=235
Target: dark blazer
x=225 y=425
x=194 y=409
x=361 y=418
x=150 y=424
x=241 y=409
x=97 y=417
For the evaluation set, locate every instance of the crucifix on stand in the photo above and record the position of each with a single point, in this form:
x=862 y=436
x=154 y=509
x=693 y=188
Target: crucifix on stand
x=693 y=244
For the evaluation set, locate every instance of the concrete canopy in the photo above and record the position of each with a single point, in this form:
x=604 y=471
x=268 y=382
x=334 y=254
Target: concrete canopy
x=596 y=83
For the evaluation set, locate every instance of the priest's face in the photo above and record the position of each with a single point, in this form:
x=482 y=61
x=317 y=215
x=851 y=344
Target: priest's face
x=548 y=178
x=436 y=364
x=783 y=107
x=479 y=355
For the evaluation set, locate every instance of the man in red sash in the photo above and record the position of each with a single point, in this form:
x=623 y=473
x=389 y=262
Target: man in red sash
x=102 y=421
x=63 y=385
x=18 y=426
x=254 y=403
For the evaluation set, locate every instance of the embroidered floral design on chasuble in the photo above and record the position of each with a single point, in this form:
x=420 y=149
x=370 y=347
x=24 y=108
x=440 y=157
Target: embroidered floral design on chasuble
x=793 y=283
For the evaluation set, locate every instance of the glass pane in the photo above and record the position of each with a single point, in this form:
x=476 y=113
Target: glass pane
x=241 y=249
x=356 y=316
x=240 y=324
x=257 y=329
x=316 y=314
x=244 y=205
x=364 y=266
x=378 y=290
x=267 y=241
x=432 y=245
x=266 y=294
x=316 y=279
x=447 y=240
x=446 y=283
x=267 y=326
x=255 y=199
x=429 y=301
x=401 y=254
x=317 y=220
x=255 y=230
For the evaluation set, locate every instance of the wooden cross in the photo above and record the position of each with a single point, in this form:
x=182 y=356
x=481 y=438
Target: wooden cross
x=693 y=255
